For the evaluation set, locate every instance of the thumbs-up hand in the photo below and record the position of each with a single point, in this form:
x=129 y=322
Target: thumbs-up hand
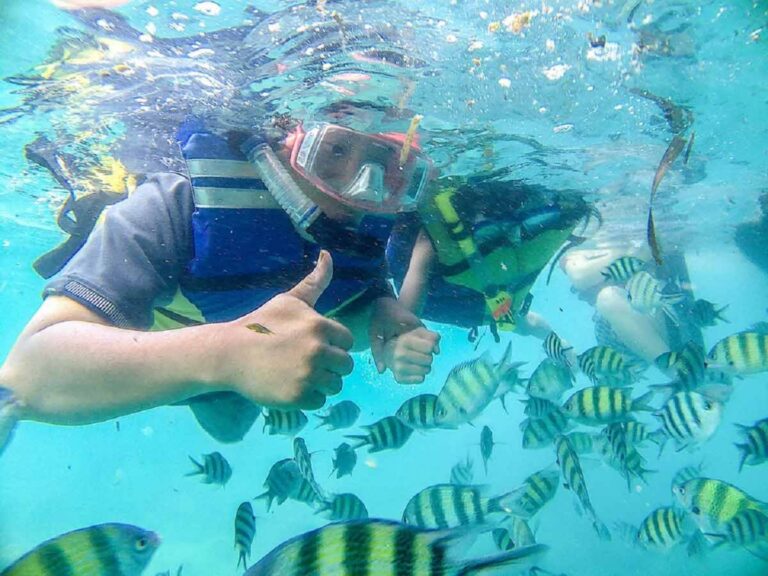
x=285 y=354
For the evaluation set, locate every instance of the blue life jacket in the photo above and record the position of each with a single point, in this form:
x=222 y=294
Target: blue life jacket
x=246 y=248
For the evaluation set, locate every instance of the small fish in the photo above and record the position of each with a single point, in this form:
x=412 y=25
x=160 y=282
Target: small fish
x=341 y=415
x=606 y=366
x=462 y=473
x=303 y=460
x=307 y=493
x=101 y=550
x=449 y=506
x=637 y=433
x=282 y=480
x=622 y=269
x=344 y=460
x=7 y=417
x=683 y=475
x=690 y=418
x=646 y=294
x=418 y=412
x=621 y=455
x=663 y=528
x=245 y=529
x=748 y=529
x=705 y=314
x=687 y=365
x=604 y=404
x=486 y=446
x=755 y=450
x=518 y=534
x=535 y=492
x=713 y=503
x=215 y=469
x=550 y=379
x=259 y=328
x=509 y=381
x=338 y=549
x=541 y=432
x=742 y=353
x=285 y=422
x=343 y=507
x=586 y=442
x=556 y=349
x=387 y=434
x=468 y=389
x=573 y=477
x=538 y=407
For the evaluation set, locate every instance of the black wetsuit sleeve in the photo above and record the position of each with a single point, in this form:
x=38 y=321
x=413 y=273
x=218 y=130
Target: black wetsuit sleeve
x=135 y=255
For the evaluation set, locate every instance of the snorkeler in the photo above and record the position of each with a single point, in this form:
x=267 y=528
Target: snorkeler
x=470 y=256
x=268 y=260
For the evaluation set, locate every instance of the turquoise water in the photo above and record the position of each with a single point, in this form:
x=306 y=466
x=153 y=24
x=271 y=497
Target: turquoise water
x=540 y=104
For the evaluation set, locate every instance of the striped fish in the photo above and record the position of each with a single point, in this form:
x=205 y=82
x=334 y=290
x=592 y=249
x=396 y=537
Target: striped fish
x=418 y=412
x=344 y=507
x=573 y=477
x=461 y=473
x=468 y=389
x=742 y=353
x=285 y=422
x=509 y=381
x=705 y=314
x=747 y=529
x=382 y=547
x=215 y=469
x=518 y=534
x=637 y=433
x=102 y=550
x=646 y=294
x=755 y=449
x=607 y=366
x=549 y=380
x=605 y=404
x=307 y=493
x=387 y=434
x=303 y=460
x=344 y=461
x=663 y=528
x=621 y=455
x=541 y=432
x=341 y=415
x=538 y=407
x=245 y=530
x=556 y=349
x=713 y=503
x=586 y=442
x=622 y=269
x=682 y=476
x=486 y=446
x=690 y=418
x=282 y=481
x=450 y=506
x=538 y=489
x=686 y=365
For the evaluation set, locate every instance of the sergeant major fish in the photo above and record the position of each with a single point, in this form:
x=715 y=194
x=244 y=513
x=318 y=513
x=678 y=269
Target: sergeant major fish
x=344 y=507
x=468 y=389
x=755 y=449
x=690 y=418
x=713 y=503
x=214 y=469
x=389 y=433
x=536 y=490
x=742 y=353
x=461 y=473
x=341 y=415
x=540 y=432
x=282 y=481
x=622 y=269
x=747 y=529
x=101 y=550
x=604 y=405
x=516 y=535
x=549 y=380
x=663 y=528
x=245 y=530
x=336 y=549
x=418 y=412
x=556 y=349
x=450 y=506
x=646 y=294
x=285 y=422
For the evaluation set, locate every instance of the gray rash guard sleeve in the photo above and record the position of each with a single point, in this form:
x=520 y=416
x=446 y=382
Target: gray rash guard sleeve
x=135 y=255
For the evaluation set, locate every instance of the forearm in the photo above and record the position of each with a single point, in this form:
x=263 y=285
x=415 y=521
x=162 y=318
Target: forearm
x=78 y=372
x=413 y=292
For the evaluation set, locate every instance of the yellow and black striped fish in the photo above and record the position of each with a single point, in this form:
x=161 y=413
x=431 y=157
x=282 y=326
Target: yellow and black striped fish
x=663 y=528
x=285 y=422
x=341 y=415
x=450 y=506
x=555 y=349
x=755 y=450
x=747 y=529
x=538 y=489
x=540 y=432
x=605 y=404
x=102 y=550
x=344 y=507
x=418 y=412
x=387 y=434
x=538 y=407
x=382 y=547
x=214 y=469
x=516 y=535
x=690 y=418
x=573 y=477
x=687 y=365
x=742 y=353
x=462 y=473
x=622 y=269
x=282 y=481
x=245 y=530
x=549 y=380
x=607 y=366
x=646 y=294
x=713 y=503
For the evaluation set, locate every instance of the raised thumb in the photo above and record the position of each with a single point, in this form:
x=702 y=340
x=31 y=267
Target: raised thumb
x=315 y=283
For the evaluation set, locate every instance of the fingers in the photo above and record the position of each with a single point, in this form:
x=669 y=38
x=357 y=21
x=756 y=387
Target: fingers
x=335 y=361
x=336 y=334
x=409 y=379
x=328 y=383
x=412 y=357
x=313 y=400
x=377 y=351
x=314 y=284
x=422 y=340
